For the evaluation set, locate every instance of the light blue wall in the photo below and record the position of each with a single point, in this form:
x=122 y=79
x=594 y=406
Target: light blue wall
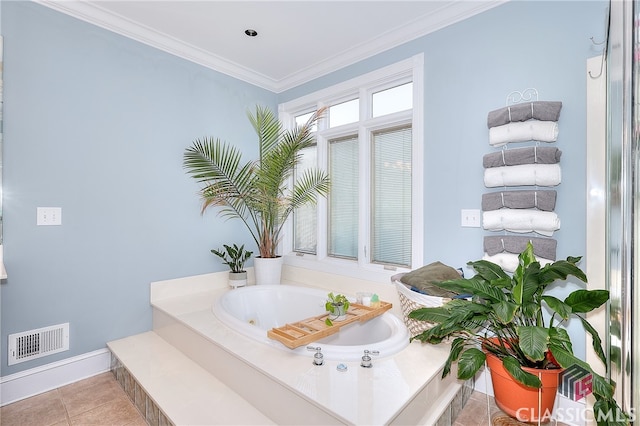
x=97 y=124
x=470 y=68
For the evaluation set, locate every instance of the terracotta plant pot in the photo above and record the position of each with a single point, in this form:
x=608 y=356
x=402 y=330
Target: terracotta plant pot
x=519 y=401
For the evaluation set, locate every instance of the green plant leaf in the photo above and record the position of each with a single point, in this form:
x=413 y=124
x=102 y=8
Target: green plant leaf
x=517 y=292
x=433 y=335
x=489 y=271
x=601 y=386
x=596 y=342
x=586 y=300
x=328 y=322
x=560 y=270
x=515 y=370
x=470 y=362
x=533 y=341
x=530 y=282
x=505 y=311
x=437 y=315
x=476 y=287
x=559 y=336
x=558 y=306
x=456 y=348
x=608 y=413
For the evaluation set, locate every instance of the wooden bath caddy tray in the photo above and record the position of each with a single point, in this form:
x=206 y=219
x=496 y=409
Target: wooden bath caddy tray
x=311 y=329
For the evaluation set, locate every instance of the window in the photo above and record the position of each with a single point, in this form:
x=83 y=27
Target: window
x=392 y=100
x=305 y=218
x=391 y=197
x=343 y=198
x=370 y=142
x=344 y=113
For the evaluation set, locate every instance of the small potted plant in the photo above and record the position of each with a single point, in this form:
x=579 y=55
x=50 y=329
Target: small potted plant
x=337 y=305
x=234 y=257
x=506 y=323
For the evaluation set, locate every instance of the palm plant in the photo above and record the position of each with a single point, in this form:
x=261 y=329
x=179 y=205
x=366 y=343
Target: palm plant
x=505 y=317
x=262 y=192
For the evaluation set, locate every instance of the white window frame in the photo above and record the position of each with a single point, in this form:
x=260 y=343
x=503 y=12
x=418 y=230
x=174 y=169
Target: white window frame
x=408 y=70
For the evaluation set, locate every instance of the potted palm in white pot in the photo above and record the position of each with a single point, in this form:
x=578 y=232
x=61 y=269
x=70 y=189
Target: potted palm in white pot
x=262 y=193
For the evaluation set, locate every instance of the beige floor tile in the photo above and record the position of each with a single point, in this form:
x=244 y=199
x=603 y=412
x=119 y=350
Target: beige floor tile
x=474 y=414
x=81 y=385
x=87 y=398
x=41 y=410
x=115 y=412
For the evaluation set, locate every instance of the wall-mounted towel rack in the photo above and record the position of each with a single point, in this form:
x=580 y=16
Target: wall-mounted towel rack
x=527 y=95
x=521 y=218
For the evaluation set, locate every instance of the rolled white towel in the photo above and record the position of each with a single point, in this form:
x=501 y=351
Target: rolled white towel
x=509 y=261
x=523 y=131
x=524 y=174
x=521 y=220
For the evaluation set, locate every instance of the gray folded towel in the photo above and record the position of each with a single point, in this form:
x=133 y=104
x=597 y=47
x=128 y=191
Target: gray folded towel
x=518 y=156
x=538 y=110
x=525 y=199
x=542 y=247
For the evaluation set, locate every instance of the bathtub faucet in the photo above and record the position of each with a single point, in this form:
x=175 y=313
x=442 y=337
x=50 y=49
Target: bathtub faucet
x=318 y=358
x=366 y=358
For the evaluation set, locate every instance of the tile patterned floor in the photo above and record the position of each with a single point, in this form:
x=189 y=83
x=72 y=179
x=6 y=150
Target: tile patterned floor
x=478 y=411
x=100 y=400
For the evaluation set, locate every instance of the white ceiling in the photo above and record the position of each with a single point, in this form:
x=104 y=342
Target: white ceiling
x=297 y=40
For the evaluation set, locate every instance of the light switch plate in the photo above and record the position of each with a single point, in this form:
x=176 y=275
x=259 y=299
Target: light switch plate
x=470 y=218
x=49 y=216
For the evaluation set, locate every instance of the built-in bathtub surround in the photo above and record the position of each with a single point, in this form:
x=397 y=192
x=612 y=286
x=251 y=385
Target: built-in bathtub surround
x=404 y=388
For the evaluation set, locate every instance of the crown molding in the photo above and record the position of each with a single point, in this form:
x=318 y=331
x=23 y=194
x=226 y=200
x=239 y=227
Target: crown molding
x=128 y=28
x=449 y=14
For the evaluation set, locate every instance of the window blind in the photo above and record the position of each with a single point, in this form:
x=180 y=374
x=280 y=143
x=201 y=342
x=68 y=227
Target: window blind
x=391 y=197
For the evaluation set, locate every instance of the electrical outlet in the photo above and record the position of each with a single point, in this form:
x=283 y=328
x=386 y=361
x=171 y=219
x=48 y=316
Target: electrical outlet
x=470 y=218
x=49 y=216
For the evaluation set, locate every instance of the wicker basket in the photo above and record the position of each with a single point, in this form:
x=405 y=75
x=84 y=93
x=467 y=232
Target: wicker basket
x=410 y=301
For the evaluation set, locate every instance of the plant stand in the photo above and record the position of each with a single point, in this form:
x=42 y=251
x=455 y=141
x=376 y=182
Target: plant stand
x=519 y=401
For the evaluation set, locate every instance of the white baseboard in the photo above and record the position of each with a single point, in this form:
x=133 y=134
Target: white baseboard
x=51 y=376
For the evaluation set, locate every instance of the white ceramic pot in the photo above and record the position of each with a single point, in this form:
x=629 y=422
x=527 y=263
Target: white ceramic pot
x=339 y=313
x=237 y=279
x=268 y=270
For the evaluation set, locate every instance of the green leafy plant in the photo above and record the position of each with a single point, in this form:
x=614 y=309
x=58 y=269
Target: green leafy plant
x=235 y=257
x=262 y=192
x=336 y=305
x=513 y=318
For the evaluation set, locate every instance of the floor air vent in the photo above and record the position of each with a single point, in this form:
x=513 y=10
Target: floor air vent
x=38 y=343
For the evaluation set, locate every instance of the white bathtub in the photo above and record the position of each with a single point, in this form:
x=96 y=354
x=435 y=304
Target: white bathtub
x=254 y=310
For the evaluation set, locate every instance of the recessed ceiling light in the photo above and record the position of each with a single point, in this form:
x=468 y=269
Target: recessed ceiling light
x=250 y=32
